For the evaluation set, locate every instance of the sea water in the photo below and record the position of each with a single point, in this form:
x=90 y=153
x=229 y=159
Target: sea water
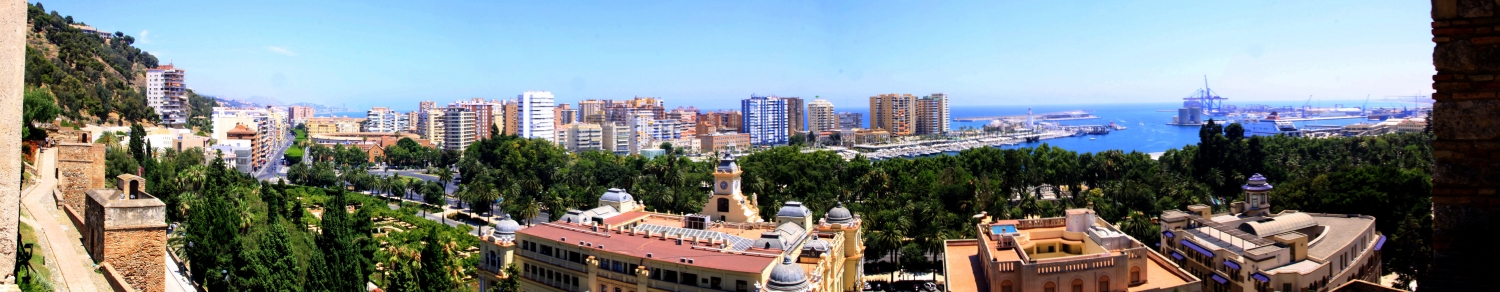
x=1146 y=130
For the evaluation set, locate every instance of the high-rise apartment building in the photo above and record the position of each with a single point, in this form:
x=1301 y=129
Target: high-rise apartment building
x=484 y=115
x=851 y=120
x=765 y=120
x=893 y=113
x=563 y=115
x=426 y=105
x=591 y=111
x=299 y=114
x=932 y=115
x=430 y=124
x=167 y=95
x=820 y=117
x=536 y=115
x=458 y=128
x=409 y=121
x=796 y=119
x=382 y=120
x=617 y=138
x=584 y=137
x=511 y=124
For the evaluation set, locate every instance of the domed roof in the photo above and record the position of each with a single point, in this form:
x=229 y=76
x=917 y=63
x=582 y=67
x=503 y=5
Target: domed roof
x=616 y=195
x=793 y=209
x=1256 y=182
x=787 y=276
x=507 y=226
x=817 y=245
x=839 y=214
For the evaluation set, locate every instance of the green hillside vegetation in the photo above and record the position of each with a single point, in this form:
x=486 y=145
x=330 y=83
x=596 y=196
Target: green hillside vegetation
x=238 y=234
x=94 y=79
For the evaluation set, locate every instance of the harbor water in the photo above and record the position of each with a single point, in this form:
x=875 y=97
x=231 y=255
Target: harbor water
x=1146 y=130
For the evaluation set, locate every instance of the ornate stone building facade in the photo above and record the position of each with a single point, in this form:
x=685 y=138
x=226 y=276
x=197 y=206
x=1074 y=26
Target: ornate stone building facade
x=620 y=247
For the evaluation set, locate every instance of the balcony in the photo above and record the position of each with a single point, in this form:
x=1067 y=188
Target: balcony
x=551 y=283
x=1074 y=265
x=617 y=276
x=577 y=267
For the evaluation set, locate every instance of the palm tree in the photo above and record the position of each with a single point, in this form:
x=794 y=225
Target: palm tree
x=445 y=175
x=395 y=184
x=415 y=187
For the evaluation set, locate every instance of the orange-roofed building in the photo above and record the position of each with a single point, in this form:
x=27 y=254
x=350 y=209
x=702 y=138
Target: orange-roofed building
x=619 y=246
x=1078 y=252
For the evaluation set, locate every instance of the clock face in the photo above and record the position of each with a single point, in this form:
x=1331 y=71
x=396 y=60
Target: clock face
x=723 y=185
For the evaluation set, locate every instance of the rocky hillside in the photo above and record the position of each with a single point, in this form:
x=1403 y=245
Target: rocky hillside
x=97 y=78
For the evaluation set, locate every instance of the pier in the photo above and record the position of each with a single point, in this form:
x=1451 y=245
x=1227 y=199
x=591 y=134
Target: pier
x=1055 y=116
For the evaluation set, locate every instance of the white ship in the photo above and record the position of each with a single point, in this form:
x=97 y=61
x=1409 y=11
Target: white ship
x=1270 y=126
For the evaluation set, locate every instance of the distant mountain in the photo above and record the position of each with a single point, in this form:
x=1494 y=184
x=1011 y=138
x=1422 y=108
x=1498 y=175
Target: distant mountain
x=230 y=102
x=96 y=76
x=264 y=100
x=322 y=109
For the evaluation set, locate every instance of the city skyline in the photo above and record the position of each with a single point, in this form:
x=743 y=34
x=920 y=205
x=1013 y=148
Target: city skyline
x=366 y=55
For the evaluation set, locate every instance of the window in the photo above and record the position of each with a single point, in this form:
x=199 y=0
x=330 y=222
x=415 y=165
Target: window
x=655 y=273
x=1103 y=283
x=723 y=204
x=690 y=279
x=715 y=283
x=669 y=276
x=1007 y=286
x=741 y=286
x=1050 y=287
x=1077 y=285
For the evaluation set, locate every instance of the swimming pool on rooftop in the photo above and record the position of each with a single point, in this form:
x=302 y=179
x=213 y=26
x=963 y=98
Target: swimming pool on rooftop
x=1002 y=229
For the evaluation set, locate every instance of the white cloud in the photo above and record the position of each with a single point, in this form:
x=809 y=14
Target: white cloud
x=281 y=50
x=142 y=39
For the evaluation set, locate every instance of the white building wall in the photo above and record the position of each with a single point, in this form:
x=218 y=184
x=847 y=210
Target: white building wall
x=537 y=115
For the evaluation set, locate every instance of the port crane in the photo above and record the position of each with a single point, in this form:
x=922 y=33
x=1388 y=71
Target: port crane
x=1211 y=103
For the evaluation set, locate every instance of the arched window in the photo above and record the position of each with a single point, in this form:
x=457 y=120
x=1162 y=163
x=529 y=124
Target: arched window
x=1077 y=285
x=1049 y=287
x=1135 y=274
x=1103 y=283
x=1007 y=286
x=723 y=204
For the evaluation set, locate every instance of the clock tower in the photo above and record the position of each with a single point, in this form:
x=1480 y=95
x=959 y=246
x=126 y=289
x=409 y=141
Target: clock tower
x=726 y=203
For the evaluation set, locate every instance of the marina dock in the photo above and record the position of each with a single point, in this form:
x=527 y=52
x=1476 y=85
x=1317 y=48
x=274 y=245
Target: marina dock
x=1055 y=116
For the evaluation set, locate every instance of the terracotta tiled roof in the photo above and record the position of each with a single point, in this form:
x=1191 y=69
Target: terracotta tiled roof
x=638 y=246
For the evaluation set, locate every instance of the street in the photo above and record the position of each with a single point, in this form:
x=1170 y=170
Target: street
x=273 y=161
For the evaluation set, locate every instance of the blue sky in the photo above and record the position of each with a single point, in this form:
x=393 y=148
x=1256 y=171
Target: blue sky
x=712 y=53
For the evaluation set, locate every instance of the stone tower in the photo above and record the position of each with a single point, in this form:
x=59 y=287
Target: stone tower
x=126 y=229
x=726 y=203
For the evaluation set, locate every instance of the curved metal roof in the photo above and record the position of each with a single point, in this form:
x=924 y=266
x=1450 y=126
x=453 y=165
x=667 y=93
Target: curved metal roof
x=1279 y=224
